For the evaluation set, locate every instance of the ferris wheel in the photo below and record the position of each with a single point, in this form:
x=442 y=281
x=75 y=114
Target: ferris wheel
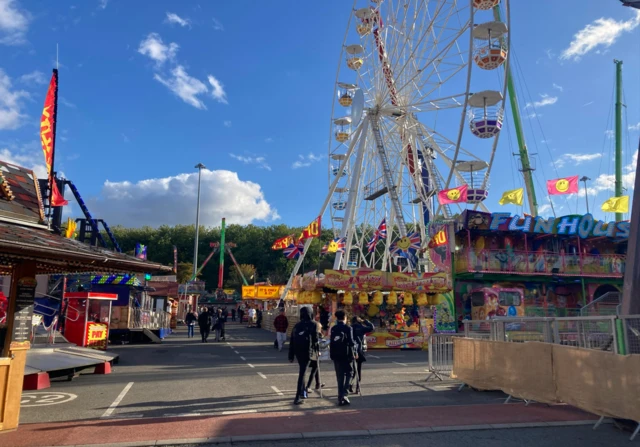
x=418 y=108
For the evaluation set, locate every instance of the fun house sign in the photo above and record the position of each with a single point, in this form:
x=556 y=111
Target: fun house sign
x=583 y=226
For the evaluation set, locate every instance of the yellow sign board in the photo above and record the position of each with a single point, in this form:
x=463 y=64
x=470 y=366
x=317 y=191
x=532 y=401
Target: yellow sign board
x=248 y=292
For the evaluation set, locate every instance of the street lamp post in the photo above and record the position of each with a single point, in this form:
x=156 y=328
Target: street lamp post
x=199 y=167
x=586 y=191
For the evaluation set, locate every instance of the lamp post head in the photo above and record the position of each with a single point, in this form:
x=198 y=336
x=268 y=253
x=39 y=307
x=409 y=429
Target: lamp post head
x=200 y=166
x=584 y=179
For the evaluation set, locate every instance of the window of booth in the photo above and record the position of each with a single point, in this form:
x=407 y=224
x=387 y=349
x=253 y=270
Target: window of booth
x=508 y=298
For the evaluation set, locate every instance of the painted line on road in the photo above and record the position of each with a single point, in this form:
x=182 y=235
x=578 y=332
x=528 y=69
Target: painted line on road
x=239 y=411
x=250 y=365
x=124 y=416
x=401 y=364
x=262 y=375
x=243 y=358
x=373 y=356
x=278 y=392
x=116 y=402
x=180 y=415
x=264 y=358
x=236 y=352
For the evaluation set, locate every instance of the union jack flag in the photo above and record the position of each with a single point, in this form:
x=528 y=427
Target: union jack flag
x=293 y=251
x=407 y=247
x=381 y=233
x=335 y=246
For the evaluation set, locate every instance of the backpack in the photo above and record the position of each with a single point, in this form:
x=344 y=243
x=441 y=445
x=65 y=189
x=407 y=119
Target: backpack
x=215 y=322
x=339 y=348
x=302 y=338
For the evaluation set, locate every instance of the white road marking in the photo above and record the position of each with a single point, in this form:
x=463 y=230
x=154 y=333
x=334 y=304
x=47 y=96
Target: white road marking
x=373 y=356
x=239 y=411
x=236 y=352
x=124 y=416
x=401 y=364
x=278 y=392
x=116 y=402
x=43 y=398
x=243 y=358
x=250 y=365
x=262 y=375
x=264 y=358
x=180 y=415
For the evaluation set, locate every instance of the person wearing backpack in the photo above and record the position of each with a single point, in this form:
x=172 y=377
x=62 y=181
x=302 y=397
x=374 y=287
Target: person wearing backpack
x=304 y=348
x=204 y=321
x=190 y=319
x=342 y=352
x=217 y=324
x=360 y=329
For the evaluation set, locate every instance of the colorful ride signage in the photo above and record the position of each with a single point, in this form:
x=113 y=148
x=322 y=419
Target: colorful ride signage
x=248 y=292
x=583 y=226
x=420 y=282
x=361 y=279
x=261 y=292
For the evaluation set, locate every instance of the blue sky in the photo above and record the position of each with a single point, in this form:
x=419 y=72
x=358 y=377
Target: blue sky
x=149 y=89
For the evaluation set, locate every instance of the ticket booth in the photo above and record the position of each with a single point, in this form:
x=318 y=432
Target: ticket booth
x=87 y=318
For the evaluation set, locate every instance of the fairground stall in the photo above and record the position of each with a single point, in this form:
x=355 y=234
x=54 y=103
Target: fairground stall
x=28 y=248
x=523 y=266
x=405 y=307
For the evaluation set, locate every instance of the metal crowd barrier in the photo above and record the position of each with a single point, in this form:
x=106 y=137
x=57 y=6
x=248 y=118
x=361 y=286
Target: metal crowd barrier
x=631 y=333
x=441 y=355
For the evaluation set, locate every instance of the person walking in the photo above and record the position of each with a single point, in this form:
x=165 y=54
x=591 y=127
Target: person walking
x=240 y=315
x=342 y=352
x=281 y=324
x=233 y=314
x=324 y=319
x=304 y=348
x=315 y=364
x=190 y=319
x=223 y=325
x=204 y=322
x=218 y=324
x=252 y=316
x=360 y=330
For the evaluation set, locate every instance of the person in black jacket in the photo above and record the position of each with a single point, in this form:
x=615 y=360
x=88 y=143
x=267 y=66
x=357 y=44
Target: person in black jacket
x=342 y=351
x=303 y=347
x=204 y=321
x=360 y=329
x=190 y=320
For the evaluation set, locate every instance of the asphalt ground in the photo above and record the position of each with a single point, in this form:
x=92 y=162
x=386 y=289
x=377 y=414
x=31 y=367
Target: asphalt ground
x=183 y=377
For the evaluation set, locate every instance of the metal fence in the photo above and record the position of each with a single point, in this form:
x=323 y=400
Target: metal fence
x=631 y=333
x=582 y=332
x=149 y=319
x=441 y=355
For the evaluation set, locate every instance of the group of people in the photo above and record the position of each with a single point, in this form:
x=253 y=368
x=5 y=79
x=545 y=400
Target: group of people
x=347 y=347
x=208 y=320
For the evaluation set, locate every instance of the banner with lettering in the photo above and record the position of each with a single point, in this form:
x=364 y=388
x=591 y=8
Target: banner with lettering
x=360 y=279
x=97 y=336
x=420 y=282
x=282 y=243
x=48 y=137
x=312 y=230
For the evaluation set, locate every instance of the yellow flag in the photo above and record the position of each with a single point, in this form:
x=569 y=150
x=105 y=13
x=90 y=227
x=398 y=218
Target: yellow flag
x=616 y=205
x=514 y=196
x=71 y=228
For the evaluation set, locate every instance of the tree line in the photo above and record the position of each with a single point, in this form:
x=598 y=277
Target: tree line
x=253 y=250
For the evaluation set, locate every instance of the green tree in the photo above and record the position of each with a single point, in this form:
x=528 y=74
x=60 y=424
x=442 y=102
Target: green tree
x=185 y=271
x=235 y=279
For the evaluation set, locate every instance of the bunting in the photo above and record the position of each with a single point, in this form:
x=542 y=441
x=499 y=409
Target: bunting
x=282 y=243
x=335 y=246
x=48 y=137
x=407 y=247
x=294 y=251
x=453 y=195
x=312 y=230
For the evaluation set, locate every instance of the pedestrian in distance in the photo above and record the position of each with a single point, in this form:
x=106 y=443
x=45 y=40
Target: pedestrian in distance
x=360 y=330
x=259 y=318
x=342 y=352
x=281 y=324
x=217 y=324
x=304 y=348
x=251 y=312
x=233 y=314
x=315 y=364
x=240 y=315
x=190 y=320
x=204 y=322
x=223 y=323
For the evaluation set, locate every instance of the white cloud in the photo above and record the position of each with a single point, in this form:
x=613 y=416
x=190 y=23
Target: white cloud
x=218 y=92
x=30 y=160
x=250 y=160
x=33 y=78
x=174 y=18
x=635 y=127
x=154 y=48
x=11 y=116
x=184 y=86
x=305 y=161
x=587 y=104
x=550 y=54
x=544 y=209
x=226 y=123
x=14 y=23
x=65 y=102
x=217 y=25
x=575 y=159
x=146 y=202
x=103 y=4
x=268 y=140
x=606 y=182
x=609 y=133
x=125 y=138
x=558 y=87
x=545 y=101
x=601 y=32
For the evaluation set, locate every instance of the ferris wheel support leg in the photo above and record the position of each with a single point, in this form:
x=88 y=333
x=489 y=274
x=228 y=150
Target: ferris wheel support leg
x=354 y=189
x=332 y=189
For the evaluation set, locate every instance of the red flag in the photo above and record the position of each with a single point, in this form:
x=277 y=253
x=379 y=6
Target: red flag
x=565 y=185
x=453 y=195
x=312 y=230
x=282 y=243
x=48 y=137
